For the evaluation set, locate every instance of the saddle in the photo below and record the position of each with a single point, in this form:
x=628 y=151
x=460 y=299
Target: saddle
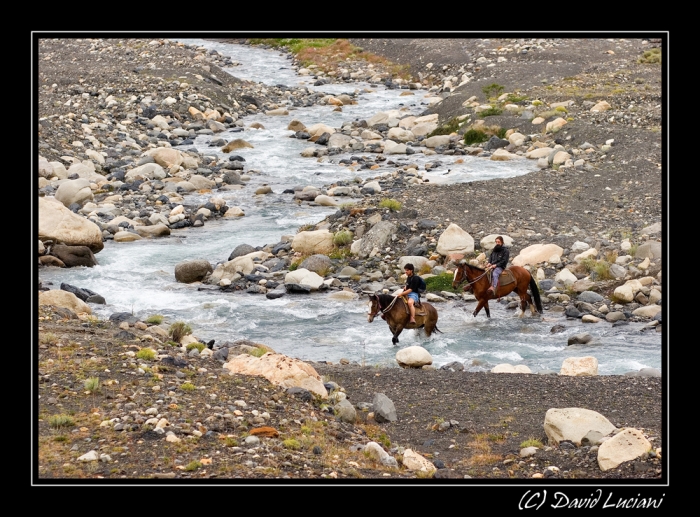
x=505 y=278
x=420 y=310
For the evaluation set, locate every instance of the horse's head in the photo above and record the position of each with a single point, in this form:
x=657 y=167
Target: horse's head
x=373 y=307
x=460 y=274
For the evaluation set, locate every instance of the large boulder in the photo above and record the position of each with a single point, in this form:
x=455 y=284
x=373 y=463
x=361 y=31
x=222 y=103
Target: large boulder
x=318 y=263
x=166 y=157
x=627 y=445
x=65 y=299
x=154 y=230
x=280 y=370
x=413 y=461
x=76 y=191
x=538 y=253
x=147 y=171
x=413 y=357
x=313 y=242
x=627 y=291
x=579 y=366
x=303 y=276
x=383 y=408
x=234 y=269
x=192 y=271
x=74 y=256
x=573 y=424
x=238 y=143
x=649 y=249
x=417 y=261
x=59 y=224
x=454 y=240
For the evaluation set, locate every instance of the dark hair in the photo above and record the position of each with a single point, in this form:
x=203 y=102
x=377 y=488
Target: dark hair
x=499 y=238
x=409 y=266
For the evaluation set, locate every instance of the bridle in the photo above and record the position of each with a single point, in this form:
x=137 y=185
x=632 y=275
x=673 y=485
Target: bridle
x=472 y=282
x=380 y=309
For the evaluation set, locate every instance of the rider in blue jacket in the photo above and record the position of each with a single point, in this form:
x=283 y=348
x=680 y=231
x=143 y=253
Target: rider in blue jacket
x=411 y=290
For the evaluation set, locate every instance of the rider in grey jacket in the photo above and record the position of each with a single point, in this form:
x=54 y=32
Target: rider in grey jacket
x=498 y=260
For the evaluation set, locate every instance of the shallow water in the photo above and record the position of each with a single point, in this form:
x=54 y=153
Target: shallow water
x=138 y=277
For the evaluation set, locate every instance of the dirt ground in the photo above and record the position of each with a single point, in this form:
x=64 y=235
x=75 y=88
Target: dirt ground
x=489 y=415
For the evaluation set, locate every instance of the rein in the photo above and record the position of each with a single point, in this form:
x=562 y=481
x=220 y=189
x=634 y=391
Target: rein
x=383 y=311
x=475 y=280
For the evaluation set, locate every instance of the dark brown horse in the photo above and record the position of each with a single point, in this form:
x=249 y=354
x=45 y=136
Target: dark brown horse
x=479 y=283
x=395 y=312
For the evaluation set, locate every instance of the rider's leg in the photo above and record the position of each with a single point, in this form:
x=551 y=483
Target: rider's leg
x=494 y=279
x=412 y=310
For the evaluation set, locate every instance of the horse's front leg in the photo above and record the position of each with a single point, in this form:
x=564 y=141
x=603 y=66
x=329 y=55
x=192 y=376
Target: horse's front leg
x=395 y=339
x=479 y=305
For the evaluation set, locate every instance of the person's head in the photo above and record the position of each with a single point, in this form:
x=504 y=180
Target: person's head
x=499 y=241
x=408 y=268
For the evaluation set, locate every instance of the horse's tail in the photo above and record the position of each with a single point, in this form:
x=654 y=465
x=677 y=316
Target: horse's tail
x=536 y=294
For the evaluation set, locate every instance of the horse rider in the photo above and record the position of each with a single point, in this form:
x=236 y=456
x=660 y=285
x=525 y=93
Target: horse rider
x=411 y=290
x=498 y=260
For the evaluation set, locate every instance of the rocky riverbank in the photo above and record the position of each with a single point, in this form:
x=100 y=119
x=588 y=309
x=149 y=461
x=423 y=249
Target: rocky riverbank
x=110 y=111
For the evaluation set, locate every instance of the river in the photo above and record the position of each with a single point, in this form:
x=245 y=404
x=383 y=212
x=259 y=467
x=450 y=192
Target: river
x=138 y=277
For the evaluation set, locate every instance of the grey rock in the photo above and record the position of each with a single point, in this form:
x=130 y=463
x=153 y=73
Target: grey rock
x=384 y=409
x=590 y=297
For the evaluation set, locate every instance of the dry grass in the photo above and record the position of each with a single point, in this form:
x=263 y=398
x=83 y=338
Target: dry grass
x=483 y=454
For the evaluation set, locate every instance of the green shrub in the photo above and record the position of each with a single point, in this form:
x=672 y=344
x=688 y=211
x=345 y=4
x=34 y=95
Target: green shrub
x=156 y=319
x=187 y=386
x=602 y=269
x=291 y=443
x=342 y=238
x=147 y=354
x=560 y=109
x=475 y=136
x=178 y=330
x=531 y=442
x=451 y=126
x=391 y=204
x=257 y=352
x=92 y=384
x=493 y=110
x=651 y=56
x=57 y=421
x=340 y=253
x=198 y=346
x=193 y=465
x=439 y=283
x=514 y=99
x=492 y=90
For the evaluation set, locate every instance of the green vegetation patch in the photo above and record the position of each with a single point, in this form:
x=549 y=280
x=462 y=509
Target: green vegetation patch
x=391 y=204
x=439 y=283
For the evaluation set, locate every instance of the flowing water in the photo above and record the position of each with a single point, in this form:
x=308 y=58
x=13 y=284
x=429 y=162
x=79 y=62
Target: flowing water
x=139 y=277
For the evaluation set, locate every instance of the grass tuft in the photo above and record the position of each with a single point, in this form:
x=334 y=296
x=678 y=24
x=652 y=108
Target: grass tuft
x=178 y=330
x=342 y=238
x=391 y=204
x=58 y=421
x=147 y=354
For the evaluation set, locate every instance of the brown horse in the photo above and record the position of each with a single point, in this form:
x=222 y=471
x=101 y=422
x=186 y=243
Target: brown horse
x=479 y=282
x=394 y=310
